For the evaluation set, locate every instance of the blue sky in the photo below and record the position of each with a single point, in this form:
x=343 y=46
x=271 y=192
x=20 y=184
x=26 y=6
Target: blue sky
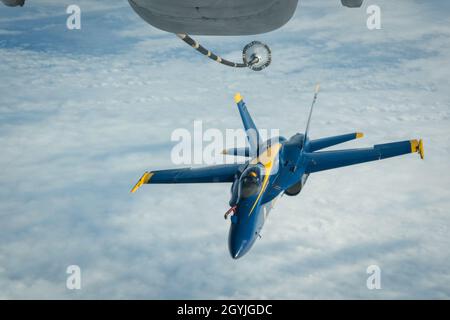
x=84 y=113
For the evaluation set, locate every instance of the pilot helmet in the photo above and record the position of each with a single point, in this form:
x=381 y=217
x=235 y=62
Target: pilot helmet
x=250 y=182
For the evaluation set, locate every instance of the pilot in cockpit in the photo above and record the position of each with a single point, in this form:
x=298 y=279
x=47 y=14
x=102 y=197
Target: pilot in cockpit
x=248 y=185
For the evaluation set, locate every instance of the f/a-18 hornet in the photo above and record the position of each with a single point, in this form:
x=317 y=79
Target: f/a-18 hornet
x=275 y=167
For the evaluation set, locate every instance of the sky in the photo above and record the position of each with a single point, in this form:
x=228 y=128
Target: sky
x=83 y=113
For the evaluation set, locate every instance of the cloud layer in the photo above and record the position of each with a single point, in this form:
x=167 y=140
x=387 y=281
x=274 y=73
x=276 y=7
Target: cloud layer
x=84 y=113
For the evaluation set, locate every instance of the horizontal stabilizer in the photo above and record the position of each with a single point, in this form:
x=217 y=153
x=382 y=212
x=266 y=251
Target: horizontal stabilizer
x=325 y=160
x=323 y=143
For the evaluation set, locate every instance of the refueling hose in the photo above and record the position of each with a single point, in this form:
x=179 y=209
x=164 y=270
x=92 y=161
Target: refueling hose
x=250 y=62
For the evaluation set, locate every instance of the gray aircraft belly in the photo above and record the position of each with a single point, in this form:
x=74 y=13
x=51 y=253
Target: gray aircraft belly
x=215 y=17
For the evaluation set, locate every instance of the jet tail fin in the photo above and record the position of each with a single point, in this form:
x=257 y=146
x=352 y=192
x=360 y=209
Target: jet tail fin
x=249 y=126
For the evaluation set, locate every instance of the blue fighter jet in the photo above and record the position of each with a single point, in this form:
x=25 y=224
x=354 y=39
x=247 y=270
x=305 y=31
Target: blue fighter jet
x=275 y=167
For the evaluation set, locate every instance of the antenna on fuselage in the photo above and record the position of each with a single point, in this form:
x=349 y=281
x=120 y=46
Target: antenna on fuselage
x=316 y=92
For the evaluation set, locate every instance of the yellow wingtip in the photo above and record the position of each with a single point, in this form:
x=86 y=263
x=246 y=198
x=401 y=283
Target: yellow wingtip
x=143 y=180
x=417 y=146
x=224 y=151
x=237 y=97
x=414 y=145
x=359 y=135
x=421 y=152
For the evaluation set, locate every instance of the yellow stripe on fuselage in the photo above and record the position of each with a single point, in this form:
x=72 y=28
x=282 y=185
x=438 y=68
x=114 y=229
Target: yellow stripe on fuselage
x=267 y=160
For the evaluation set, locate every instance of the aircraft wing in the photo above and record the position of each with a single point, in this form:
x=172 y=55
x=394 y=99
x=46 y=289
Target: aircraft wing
x=325 y=160
x=211 y=174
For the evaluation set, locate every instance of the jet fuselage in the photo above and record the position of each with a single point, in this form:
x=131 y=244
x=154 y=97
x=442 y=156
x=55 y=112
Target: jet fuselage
x=280 y=163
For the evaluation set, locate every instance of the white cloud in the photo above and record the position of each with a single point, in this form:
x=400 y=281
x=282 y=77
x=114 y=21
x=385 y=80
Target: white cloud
x=77 y=130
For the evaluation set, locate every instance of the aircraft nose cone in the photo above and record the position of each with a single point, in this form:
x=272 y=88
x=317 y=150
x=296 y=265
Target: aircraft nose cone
x=236 y=251
x=241 y=236
x=237 y=246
